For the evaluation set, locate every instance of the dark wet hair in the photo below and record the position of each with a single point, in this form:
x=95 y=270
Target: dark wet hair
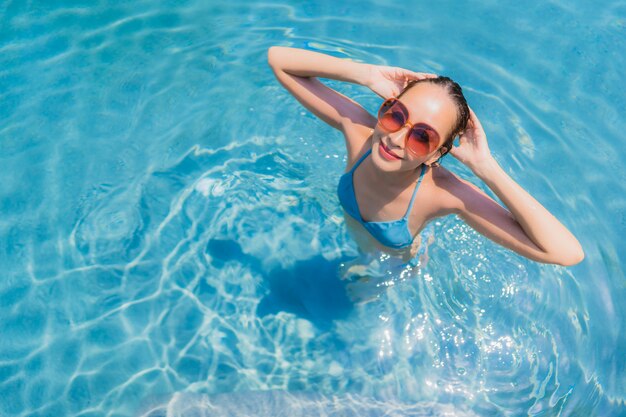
x=462 y=109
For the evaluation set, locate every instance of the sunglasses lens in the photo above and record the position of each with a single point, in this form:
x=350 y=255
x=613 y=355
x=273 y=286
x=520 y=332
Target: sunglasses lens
x=420 y=141
x=391 y=115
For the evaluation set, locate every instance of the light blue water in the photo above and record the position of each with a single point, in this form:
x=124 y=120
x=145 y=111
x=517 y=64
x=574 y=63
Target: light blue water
x=171 y=241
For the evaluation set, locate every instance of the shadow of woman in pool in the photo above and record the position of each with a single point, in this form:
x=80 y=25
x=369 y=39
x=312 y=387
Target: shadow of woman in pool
x=310 y=289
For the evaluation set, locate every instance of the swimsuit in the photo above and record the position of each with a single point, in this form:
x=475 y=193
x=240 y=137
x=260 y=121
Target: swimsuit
x=395 y=233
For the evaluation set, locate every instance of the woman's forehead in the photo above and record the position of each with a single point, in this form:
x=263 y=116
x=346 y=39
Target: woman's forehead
x=431 y=104
x=427 y=96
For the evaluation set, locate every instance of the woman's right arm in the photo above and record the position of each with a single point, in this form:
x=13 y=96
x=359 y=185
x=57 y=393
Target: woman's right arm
x=524 y=226
x=297 y=69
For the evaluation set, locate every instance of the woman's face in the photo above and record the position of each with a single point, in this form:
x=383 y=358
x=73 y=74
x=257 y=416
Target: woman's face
x=427 y=103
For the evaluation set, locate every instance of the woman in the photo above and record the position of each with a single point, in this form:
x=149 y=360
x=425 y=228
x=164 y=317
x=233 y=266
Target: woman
x=399 y=185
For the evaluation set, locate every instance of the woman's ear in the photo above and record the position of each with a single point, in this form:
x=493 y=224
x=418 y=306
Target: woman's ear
x=434 y=160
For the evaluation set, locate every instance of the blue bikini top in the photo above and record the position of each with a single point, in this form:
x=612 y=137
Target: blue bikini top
x=395 y=233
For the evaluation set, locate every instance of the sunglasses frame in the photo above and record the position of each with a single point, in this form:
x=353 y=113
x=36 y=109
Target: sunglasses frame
x=405 y=111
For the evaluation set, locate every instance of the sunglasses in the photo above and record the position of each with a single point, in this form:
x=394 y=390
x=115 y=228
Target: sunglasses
x=420 y=140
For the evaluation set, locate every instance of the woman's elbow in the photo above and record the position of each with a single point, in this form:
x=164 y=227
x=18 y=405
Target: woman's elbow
x=571 y=257
x=273 y=55
x=575 y=259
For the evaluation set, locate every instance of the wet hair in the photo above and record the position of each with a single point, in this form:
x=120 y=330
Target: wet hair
x=462 y=109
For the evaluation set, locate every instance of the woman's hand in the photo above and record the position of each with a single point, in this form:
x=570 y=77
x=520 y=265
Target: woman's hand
x=473 y=150
x=389 y=81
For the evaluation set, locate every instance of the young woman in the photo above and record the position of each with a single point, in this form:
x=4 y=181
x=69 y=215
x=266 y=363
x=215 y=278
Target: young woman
x=394 y=185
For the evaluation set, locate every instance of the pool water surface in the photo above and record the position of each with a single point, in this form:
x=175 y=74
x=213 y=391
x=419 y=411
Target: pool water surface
x=172 y=242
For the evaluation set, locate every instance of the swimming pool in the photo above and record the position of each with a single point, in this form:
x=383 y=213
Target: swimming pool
x=171 y=238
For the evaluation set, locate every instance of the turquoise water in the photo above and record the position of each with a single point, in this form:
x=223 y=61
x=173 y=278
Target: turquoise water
x=171 y=241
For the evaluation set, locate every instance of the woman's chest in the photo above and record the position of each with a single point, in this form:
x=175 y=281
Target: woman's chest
x=368 y=243
x=377 y=204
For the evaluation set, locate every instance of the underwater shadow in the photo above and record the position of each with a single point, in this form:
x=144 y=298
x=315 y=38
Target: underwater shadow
x=310 y=289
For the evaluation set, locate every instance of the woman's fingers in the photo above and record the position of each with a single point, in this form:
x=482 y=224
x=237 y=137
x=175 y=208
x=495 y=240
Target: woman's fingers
x=457 y=152
x=473 y=125
x=474 y=119
x=415 y=75
x=423 y=75
x=403 y=74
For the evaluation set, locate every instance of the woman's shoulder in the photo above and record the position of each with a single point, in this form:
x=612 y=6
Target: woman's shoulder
x=356 y=131
x=450 y=190
x=445 y=186
x=443 y=177
x=358 y=142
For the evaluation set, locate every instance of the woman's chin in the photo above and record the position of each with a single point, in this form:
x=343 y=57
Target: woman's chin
x=384 y=164
x=398 y=165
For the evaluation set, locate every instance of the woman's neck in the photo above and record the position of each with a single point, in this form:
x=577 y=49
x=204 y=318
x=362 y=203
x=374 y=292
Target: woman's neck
x=395 y=181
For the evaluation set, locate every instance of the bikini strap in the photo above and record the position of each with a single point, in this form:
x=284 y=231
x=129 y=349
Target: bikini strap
x=408 y=211
x=360 y=160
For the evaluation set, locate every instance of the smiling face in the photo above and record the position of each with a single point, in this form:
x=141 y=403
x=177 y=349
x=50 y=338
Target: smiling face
x=428 y=104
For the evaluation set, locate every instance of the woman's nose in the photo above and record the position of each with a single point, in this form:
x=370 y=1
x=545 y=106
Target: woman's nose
x=397 y=137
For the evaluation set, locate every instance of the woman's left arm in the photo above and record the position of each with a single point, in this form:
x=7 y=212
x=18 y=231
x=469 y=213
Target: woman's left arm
x=528 y=228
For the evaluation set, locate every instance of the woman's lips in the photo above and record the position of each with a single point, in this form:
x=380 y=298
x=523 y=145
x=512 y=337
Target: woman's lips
x=386 y=153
